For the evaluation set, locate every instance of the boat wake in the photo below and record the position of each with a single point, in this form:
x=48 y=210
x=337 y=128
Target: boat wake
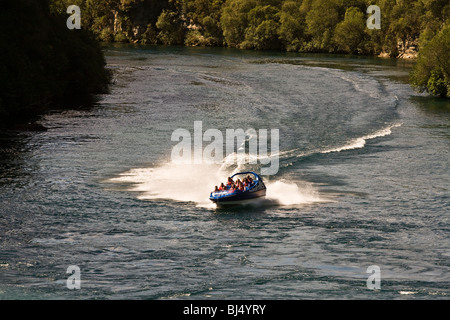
x=358 y=143
x=194 y=183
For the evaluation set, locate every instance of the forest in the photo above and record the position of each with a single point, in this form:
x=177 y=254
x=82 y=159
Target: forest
x=331 y=26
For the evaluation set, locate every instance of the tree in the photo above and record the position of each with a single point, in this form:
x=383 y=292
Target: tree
x=262 y=30
x=171 y=29
x=234 y=20
x=292 y=25
x=321 y=20
x=203 y=18
x=431 y=73
x=349 y=34
x=53 y=66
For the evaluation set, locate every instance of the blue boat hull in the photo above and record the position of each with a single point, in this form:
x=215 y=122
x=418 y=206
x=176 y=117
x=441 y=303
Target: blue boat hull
x=256 y=192
x=242 y=197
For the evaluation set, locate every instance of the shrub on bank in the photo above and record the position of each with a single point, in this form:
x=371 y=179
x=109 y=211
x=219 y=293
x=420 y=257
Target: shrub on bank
x=43 y=63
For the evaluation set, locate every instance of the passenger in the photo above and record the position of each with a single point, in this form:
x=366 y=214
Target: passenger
x=230 y=181
x=222 y=187
x=216 y=189
x=250 y=180
x=241 y=187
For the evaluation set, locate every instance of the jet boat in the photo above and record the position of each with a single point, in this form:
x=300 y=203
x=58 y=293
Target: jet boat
x=251 y=193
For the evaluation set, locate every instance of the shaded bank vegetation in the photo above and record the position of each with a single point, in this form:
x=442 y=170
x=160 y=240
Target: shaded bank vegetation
x=432 y=70
x=331 y=26
x=43 y=64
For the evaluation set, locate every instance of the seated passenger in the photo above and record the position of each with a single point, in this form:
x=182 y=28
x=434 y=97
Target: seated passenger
x=230 y=181
x=222 y=187
x=216 y=189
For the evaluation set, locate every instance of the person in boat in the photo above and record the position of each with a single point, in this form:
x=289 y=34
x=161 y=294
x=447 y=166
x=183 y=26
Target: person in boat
x=249 y=179
x=240 y=186
x=222 y=187
x=216 y=189
x=230 y=181
x=246 y=184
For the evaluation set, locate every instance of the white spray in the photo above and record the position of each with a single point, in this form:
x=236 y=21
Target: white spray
x=194 y=183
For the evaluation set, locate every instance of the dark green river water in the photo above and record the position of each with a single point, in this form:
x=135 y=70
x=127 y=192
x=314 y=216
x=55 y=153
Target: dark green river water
x=362 y=180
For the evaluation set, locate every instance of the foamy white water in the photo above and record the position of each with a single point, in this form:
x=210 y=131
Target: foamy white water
x=289 y=193
x=194 y=183
x=361 y=141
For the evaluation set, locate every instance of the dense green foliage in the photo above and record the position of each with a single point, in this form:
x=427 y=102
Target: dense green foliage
x=432 y=70
x=292 y=25
x=42 y=62
x=331 y=26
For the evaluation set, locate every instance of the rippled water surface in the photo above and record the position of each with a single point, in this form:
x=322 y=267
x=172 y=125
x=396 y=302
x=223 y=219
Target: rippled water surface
x=363 y=180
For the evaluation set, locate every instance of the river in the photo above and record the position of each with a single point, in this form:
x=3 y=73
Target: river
x=362 y=184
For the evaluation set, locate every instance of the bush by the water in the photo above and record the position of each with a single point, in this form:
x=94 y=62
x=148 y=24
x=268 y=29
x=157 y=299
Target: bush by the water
x=43 y=64
x=432 y=70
